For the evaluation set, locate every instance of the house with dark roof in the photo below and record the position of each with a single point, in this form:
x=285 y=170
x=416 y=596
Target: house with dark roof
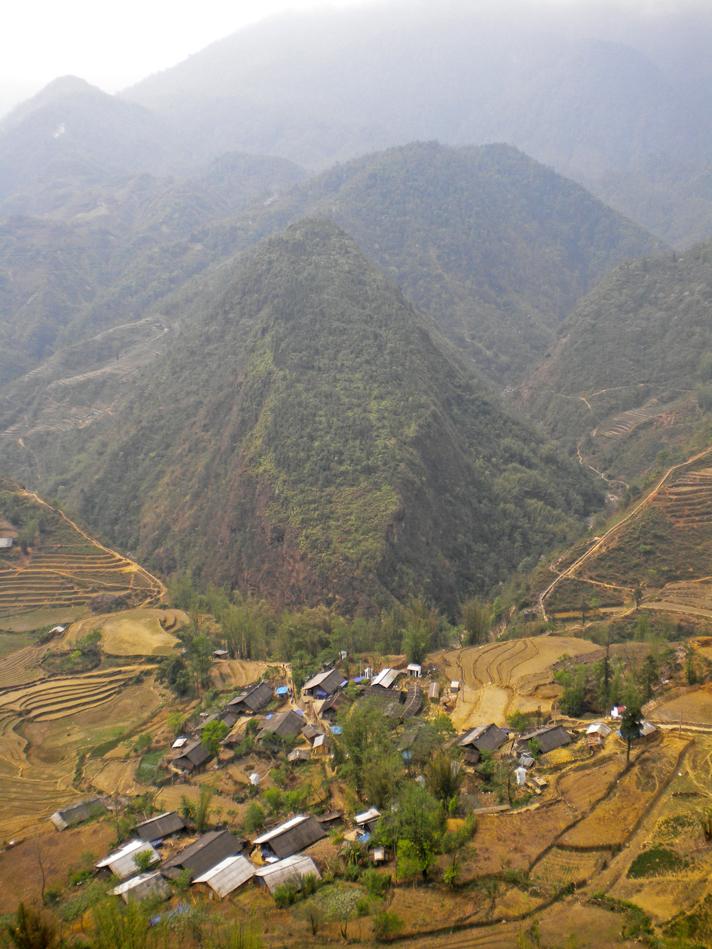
x=207 y=852
x=311 y=732
x=193 y=756
x=324 y=684
x=290 y=837
x=249 y=702
x=284 y=725
x=78 y=813
x=483 y=738
x=164 y=825
x=330 y=707
x=546 y=739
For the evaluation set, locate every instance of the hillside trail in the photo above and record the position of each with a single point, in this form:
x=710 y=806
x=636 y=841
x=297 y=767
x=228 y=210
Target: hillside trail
x=600 y=543
x=157 y=587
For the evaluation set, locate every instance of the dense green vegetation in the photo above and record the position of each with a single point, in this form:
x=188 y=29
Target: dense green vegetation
x=329 y=448
x=643 y=333
x=495 y=247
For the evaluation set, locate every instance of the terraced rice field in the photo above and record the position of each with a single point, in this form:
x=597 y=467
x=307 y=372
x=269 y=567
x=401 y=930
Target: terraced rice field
x=688 y=500
x=234 y=673
x=499 y=677
x=42 y=726
x=693 y=705
x=141 y=632
x=663 y=543
x=559 y=867
x=69 y=569
x=625 y=422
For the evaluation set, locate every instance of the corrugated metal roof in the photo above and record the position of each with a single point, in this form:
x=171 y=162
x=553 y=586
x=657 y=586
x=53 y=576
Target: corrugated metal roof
x=386 y=677
x=145 y=884
x=228 y=875
x=282 y=828
x=367 y=816
x=122 y=862
x=205 y=853
x=292 y=836
x=293 y=868
x=160 y=826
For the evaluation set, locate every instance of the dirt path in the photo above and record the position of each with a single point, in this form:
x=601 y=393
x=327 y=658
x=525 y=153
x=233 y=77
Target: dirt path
x=601 y=542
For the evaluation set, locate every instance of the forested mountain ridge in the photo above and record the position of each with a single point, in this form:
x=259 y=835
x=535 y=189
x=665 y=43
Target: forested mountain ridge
x=616 y=101
x=323 y=447
x=632 y=371
x=493 y=245
x=108 y=250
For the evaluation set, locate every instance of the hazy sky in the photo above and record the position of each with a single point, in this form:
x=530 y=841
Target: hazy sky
x=114 y=43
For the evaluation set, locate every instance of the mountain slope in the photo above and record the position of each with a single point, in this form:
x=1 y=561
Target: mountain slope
x=109 y=250
x=600 y=101
x=633 y=364
x=496 y=247
x=308 y=439
x=72 y=134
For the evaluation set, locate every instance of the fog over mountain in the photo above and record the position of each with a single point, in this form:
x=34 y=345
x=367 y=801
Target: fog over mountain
x=614 y=96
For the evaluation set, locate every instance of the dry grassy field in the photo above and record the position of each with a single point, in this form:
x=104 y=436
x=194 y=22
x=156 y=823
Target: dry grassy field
x=139 y=632
x=234 y=673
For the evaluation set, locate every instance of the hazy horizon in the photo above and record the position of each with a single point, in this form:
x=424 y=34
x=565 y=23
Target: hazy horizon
x=82 y=38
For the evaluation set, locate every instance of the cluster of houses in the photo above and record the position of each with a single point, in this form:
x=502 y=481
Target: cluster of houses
x=218 y=862
x=323 y=695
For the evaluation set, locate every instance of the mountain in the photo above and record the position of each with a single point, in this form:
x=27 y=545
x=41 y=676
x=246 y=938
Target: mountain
x=617 y=101
x=111 y=249
x=72 y=134
x=631 y=375
x=493 y=245
x=308 y=437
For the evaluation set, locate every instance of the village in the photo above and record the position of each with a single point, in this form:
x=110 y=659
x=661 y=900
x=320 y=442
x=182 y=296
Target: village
x=267 y=727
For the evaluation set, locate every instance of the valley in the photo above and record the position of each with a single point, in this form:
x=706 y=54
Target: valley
x=356 y=483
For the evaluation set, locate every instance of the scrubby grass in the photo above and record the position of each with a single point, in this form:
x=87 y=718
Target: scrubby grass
x=655 y=862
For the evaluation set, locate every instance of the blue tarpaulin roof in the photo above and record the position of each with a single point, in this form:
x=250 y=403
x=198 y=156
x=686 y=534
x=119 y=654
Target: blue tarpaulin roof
x=282 y=690
x=336 y=729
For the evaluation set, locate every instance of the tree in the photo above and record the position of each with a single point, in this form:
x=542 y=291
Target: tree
x=212 y=733
x=386 y=925
x=254 y=818
x=114 y=925
x=31 y=930
x=381 y=778
x=416 y=641
x=631 y=724
x=649 y=676
x=414 y=826
x=444 y=777
x=366 y=735
x=176 y=723
x=202 y=810
x=143 y=860
x=476 y=617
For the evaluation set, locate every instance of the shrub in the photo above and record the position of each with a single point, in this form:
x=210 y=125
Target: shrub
x=655 y=862
x=376 y=883
x=386 y=925
x=286 y=894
